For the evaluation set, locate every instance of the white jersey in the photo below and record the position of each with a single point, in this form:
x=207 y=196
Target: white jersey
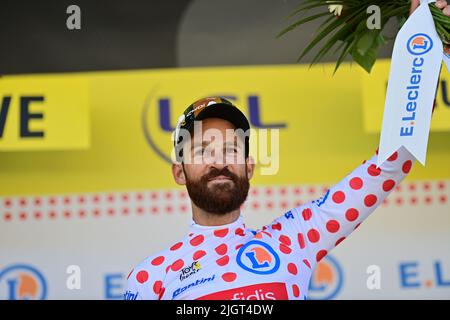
x=231 y=262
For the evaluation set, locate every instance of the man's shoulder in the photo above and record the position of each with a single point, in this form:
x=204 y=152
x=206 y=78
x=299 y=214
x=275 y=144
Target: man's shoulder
x=145 y=280
x=157 y=265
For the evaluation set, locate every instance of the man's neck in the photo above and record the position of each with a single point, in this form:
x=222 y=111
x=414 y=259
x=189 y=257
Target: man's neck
x=205 y=218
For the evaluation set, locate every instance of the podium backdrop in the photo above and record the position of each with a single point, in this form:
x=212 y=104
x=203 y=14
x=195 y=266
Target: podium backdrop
x=85 y=179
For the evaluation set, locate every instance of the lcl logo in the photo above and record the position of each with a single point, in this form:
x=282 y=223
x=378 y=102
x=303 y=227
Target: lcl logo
x=159 y=119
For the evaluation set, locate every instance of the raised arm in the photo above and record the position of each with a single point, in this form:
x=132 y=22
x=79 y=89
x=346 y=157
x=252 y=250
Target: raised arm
x=320 y=225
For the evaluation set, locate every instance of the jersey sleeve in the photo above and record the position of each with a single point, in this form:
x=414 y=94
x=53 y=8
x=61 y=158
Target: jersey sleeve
x=133 y=291
x=145 y=281
x=320 y=225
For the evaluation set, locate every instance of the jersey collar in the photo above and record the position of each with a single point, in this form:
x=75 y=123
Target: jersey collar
x=235 y=228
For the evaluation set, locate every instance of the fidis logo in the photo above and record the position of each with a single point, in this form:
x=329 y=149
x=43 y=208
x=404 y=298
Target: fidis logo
x=419 y=44
x=160 y=114
x=262 y=291
x=326 y=281
x=22 y=282
x=258 y=257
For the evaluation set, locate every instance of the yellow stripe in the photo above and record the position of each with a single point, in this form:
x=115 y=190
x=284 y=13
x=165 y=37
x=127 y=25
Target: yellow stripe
x=324 y=140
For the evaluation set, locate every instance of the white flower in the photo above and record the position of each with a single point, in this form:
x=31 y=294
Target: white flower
x=336 y=9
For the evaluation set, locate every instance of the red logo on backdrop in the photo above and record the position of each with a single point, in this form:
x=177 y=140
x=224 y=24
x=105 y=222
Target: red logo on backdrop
x=263 y=291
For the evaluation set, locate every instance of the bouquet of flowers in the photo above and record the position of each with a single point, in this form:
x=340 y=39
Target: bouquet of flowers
x=345 y=32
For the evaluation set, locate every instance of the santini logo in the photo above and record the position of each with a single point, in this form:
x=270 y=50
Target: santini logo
x=130 y=295
x=193 y=284
x=419 y=44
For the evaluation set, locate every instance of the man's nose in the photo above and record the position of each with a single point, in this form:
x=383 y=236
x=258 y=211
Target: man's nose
x=218 y=160
x=217 y=157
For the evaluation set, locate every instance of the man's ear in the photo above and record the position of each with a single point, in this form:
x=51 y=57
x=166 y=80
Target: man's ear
x=178 y=173
x=250 y=167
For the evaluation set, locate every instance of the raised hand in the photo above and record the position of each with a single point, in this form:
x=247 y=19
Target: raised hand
x=441 y=4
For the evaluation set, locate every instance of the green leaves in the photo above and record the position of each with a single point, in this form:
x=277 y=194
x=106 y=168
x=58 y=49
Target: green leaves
x=442 y=23
x=348 y=34
x=367 y=47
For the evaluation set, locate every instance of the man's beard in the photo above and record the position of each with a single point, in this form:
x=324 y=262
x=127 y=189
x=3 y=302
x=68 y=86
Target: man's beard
x=218 y=198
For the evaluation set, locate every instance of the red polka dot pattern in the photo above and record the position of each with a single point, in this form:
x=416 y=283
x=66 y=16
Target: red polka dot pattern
x=161 y=293
x=301 y=240
x=339 y=241
x=276 y=226
x=356 y=183
x=370 y=200
x=320 y=255
x=158 y=260
x=285 y=249
x=313 y=235
x=292 y=268
x=129 y=274
x=221 y=249
x=157 y=287
x=333 y=226
x=197 y=240
x=229 y=276
x=223 y=261
x=306 y=214
x=352 y=214
x=388 y=185
x=177 y=265
x=407 y=166
x=198 y=255
x=393 y=157
x=142 y=276
x=306 y=262
x=285 y=239
x=295 y=291
x=373 y=170
x=338 y=197
x=176 y=246
x=221 y=232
